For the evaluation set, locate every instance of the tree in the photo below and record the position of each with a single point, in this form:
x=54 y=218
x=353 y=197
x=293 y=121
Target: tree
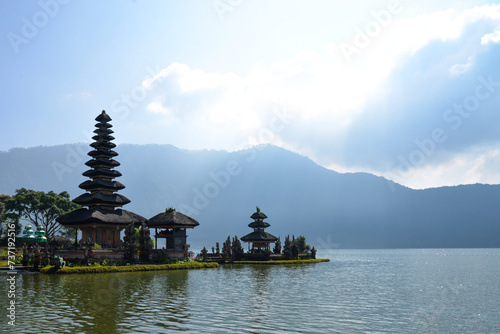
x=68 y=232
x=145 y=245
x=301 y=243
x=41 y=208
x=8 y=218
x=287 y=248
x=237 y=249
x=130 y=243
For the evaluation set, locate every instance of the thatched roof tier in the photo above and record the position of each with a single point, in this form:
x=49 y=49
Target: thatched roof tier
x=103 y=117
x=104 y=131
x=103 y=126
x=101 y=217
x=102 y=162
x=99 y=198
x=102 y=153
x=104 y=145
x=102 y=136
x=171 y=219
x=258 y=215
x=259 y=236
x=258 y=223
x=99 y=184
x=100 y=172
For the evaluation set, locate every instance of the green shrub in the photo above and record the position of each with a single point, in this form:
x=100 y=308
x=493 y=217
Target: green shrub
x=128 y=268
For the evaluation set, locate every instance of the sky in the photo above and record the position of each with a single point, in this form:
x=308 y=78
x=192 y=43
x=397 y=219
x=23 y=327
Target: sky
x=407 y=90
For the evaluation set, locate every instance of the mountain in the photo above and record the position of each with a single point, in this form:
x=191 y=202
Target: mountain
x=221 y=189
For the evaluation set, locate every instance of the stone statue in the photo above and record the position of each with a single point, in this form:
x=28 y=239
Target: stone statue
x=204 y=252
x=26 y=255
x=58 y=262
x=88 y=251
x=277 y=247
x=37 y=257
x=186 y=250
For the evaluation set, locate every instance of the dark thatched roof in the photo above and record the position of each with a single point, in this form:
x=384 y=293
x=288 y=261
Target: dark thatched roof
x=102 y=162
x=259 y=236
x=103 y=144
x=100 y=172
x=103 y=131
x=103 y=117
x=258 y=215
x=101 y=184
x=100 y=216
x=260 y=223
x=172 y=218
x=100 y=198
x=102 y=153
x=103 y=136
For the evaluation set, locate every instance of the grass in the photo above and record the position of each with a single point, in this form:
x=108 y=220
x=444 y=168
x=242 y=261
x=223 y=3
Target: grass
x=4 y=264
x=283 y=262
x=140 y=267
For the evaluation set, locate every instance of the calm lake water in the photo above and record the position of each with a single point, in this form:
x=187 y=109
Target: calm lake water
x=359 y=291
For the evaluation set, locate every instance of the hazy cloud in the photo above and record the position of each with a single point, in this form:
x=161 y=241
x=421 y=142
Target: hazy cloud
x=374 y=114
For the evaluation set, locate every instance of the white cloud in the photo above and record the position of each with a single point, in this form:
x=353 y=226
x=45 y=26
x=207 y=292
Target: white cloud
x=156 y=107
x=459 y=69
x=493 y=37
x=477 y=165
x=327 y=95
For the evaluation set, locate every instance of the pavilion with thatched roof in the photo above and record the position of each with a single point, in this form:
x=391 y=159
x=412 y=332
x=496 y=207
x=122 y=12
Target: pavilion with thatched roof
x=172 y=225
x=102 y=219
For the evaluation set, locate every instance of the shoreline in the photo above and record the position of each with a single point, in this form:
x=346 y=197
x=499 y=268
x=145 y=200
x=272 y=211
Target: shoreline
x=50 y=270
x=280 y=262
x=132 y=268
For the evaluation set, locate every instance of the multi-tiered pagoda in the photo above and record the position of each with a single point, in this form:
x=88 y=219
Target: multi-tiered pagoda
x=103 y=219
x=259 y=238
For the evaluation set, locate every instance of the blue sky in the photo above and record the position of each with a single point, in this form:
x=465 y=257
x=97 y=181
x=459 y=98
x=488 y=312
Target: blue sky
x=402 y=89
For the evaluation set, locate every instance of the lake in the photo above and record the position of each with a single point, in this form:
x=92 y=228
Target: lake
x=359 y=291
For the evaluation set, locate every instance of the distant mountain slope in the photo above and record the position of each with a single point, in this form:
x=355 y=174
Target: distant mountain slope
x=221 y=189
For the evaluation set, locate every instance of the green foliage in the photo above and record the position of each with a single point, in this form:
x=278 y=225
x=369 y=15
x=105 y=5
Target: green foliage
x=303 y=247
x=287 y=248
x=8 y=218
x=137 y=235
x=237 y=249
x=68 y=232
x=96 y=246
x=40 y=208
x=131 y=242
x=128 y=268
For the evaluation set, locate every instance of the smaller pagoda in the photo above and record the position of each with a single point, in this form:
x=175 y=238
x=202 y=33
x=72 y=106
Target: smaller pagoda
x=260 y=239
x=172 y=225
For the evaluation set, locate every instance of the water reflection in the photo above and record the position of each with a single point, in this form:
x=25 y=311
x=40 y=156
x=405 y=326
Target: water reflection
x=104 y=303
x=358 y=292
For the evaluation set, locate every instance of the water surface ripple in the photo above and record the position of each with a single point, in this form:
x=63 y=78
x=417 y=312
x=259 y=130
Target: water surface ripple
x=359 y=291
